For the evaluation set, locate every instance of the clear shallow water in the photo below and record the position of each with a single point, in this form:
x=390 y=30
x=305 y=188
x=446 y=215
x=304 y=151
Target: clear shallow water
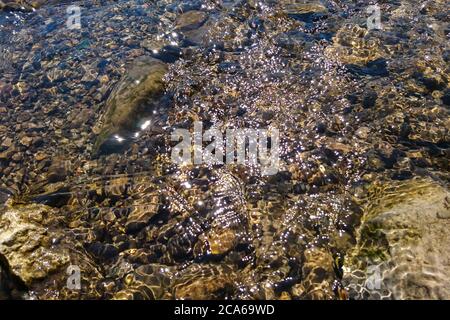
x=353 y=106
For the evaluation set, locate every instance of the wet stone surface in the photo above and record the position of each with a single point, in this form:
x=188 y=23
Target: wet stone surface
x=402 y=242
x=86 y=177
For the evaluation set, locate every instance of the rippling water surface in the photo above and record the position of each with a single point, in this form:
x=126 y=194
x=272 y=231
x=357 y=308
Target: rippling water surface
x=354 y=107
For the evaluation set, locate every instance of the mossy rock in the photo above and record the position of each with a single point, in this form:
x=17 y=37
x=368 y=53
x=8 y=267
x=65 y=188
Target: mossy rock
x=404 y=238
x=135 y=96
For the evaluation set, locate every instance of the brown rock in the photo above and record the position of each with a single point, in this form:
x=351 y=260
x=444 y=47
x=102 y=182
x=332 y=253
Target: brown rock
x=21 y=238
x=26 y=141
x=362 y=133
x=40 y=156
x=24 y=116
x=191 y=20
x=221 y=241
x=18 y=156
x=7 y=154
x=7 y=142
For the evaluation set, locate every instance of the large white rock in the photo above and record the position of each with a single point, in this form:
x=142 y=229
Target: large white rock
x=403 y=244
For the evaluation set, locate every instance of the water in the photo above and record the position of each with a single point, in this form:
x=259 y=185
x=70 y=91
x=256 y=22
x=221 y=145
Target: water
x=353 y=107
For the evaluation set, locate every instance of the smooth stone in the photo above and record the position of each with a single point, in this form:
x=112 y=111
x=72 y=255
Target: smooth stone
x=15 y=5
x=446 y=97
x=5 y=155
x=139 y=217
x=362 y=132
x=190 y=20
x=133 y=98
x=193 y=25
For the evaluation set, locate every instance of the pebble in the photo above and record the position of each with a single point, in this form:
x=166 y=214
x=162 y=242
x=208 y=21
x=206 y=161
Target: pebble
x=17 y=157
x=6 y=155
x=7 y=142
x=26 y=141
x=191 y=20
x=24 y=116
x=363 y=133
x=39 y=156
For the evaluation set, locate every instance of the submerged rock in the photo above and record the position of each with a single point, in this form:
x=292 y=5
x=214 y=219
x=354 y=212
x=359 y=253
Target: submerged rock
x=201 y=282
x=302 y=8
x=319 y=276
x=402 y=249
x=21 y=5
x=147 y=282
x=22 y=239
x=142 y=212
x=134 y=97
x=306 y=12
x=191 y=20
x=193 y=25
x=360 y=50
x=37 y=256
